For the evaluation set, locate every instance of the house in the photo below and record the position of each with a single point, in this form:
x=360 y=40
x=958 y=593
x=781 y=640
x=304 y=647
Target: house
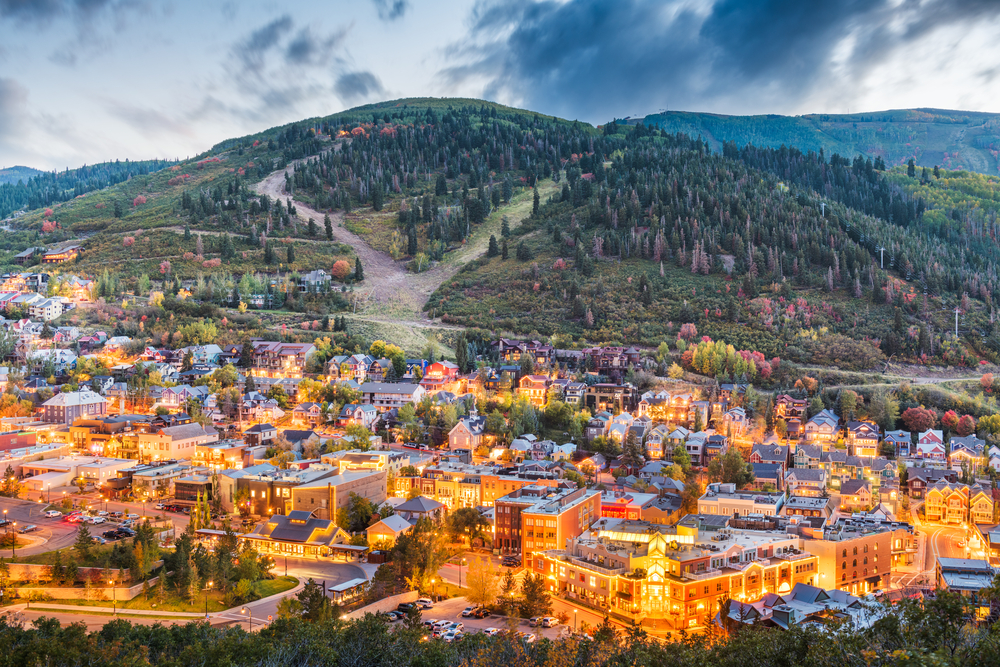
x=715 y=446
x=968 y=450
x=767 y=476
x=316 y=281
x=774 y=454
x=171 y=442
x=46 y=309
x=901 y=441
x=655 y=441
x=574 y=392
x=735 y=422
x=65 y=408
x=862 y=438
x=383 y=534
x=930 y=445
x=918 y=480
x=178 y=396
x=823 y=427
x=855 y=495
x=467 y=433
x=278 y=359
x=61 y=255
x=810 y=482
x=363 y=415
x=535 y=388
x=260 y=434
x=309 y=413
x=385 y=396
x=511 y=350
x=808 y=456
x=420 y=507
x=787 y=407
x=954 y=504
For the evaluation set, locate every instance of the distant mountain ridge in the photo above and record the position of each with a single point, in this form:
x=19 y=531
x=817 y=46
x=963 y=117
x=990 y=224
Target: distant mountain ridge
x=19 y=173
x=967 y=140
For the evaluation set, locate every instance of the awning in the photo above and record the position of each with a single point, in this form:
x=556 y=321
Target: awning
x=351 y=548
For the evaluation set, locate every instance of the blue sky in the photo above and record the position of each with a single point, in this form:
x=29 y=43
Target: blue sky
x=88 y=80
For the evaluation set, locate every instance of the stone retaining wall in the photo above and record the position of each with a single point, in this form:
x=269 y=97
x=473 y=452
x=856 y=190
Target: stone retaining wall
x=385 y=604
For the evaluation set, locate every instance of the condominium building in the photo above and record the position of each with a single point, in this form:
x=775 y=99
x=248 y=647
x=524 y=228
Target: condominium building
x=535 y=518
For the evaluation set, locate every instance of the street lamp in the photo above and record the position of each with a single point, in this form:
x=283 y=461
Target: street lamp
x=247 y=610
x=13 y=542
x=460 y=573
x=207 y=589
x=114 y=597
x=574 y=621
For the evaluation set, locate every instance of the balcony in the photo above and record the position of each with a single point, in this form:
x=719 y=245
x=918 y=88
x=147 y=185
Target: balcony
x=597 y=567
x=710 y=573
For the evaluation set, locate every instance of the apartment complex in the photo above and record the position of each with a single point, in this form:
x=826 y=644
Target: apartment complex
x=276 y=359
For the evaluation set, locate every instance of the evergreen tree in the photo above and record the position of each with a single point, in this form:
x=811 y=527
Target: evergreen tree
x=268 y=253
x=493 y=250
x=312 y=228
x=326 y=323
x=505 y=228
x=503 y=249
x=118 y=209
x=534 y=203
x=83 y=541
x=187 y=232
x=291 y=255
x=359 y=272
x=46 y=331
x=328 y=224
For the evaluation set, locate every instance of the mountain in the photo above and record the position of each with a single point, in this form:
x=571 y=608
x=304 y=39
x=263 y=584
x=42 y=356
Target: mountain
x=954 y=140
x=488 y=217
x=15 y=174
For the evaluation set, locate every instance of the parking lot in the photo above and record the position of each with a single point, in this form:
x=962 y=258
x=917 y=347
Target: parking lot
x=451 y=610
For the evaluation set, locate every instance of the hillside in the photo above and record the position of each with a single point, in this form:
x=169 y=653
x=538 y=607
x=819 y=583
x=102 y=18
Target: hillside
x=465 y=213
x=950 y=139
x=15 y=174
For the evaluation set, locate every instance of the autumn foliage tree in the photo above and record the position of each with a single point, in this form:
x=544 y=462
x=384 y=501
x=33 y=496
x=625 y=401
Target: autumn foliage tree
x=919 y=419
x=341 y=269
x=966 y=425
x=139 y=201
x=949 y=420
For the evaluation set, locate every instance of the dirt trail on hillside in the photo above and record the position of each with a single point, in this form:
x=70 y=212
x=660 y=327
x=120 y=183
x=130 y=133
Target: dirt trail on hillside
x=388 y=290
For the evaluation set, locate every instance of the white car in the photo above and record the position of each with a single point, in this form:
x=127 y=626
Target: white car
x=528 y=637
x=98 y=519
x=159 y=506
x=467 y=612
x=102 y=513
x=550 y=622
x=131 y=516
x=53 y=514
x=457 y=627
x=489 y=632
x=451 y=636
x=425 y=603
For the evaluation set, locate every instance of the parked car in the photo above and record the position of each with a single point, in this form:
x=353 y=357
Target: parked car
x=117 y=515
x=468 y=611
x=160 y=506
x=430 y=623
x=131 y=516
x=482 y=612
x=111 y=534
x=458 y=627
x=452 y=636
x=550 y=622
x=98 y=519
x=28 y=528
x=405 y=607
x=102 y=513
x=534 y=621
x=425 y=603
x=53 y=514
x=127 y=532
x=489 y=632
x=510 y=561
x=5 y=522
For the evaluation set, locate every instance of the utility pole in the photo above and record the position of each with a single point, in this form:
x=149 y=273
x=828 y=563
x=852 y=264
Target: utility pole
x=881 y=258
x=957 y=310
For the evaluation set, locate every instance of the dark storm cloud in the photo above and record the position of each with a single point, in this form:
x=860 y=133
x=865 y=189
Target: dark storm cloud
x=390 y=10
x=595 y=59
x=357 y=86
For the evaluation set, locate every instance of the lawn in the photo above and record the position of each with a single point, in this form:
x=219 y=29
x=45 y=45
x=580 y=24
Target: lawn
x=175 y=602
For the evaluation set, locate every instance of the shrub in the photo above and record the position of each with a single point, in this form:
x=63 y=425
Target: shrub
x=341 y=269
x=139 y=201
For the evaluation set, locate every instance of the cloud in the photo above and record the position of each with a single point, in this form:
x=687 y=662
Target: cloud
x=307 y=49
x=390 y=10
x=595 y=59
x=253 y=50
x=13 y=109
x=353 y=87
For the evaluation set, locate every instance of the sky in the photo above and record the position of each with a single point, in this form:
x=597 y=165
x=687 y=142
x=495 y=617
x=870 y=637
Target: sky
x=83 y=81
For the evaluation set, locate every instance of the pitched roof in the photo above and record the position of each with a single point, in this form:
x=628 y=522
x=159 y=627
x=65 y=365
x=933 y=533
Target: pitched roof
x=73 y=398
x=419 y=504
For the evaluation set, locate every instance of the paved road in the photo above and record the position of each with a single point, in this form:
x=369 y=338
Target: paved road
x=55 y=534
x=938 y=542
